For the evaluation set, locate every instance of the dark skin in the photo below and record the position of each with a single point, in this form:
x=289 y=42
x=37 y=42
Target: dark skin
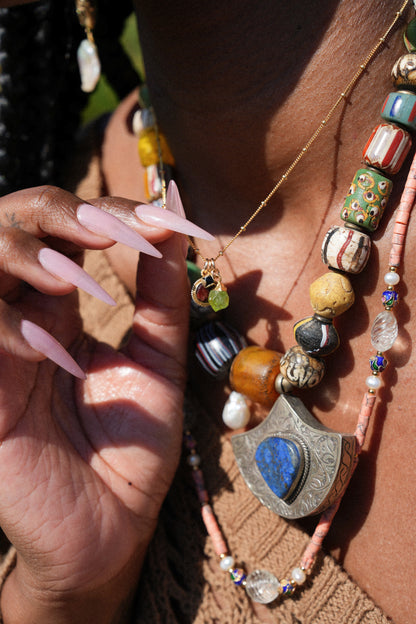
x=233 y=127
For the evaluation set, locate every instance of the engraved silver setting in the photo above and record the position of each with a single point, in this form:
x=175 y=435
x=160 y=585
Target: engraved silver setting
x=328 y=459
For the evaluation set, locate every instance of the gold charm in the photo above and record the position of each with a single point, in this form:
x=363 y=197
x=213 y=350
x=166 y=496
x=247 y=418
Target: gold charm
x=209 y=291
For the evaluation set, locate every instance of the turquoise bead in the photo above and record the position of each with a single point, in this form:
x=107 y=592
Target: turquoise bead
x=400 y=108
x=366 y=200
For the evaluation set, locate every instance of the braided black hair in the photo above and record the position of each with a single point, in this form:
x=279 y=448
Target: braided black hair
x=40 y=95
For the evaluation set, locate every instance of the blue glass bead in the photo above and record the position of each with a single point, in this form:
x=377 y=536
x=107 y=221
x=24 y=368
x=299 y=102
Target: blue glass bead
x=217 y=344
x=238 y=576
x=287 y=587
x=389 y=299
x=378 y=363
x=280 y=463
x=400 y=108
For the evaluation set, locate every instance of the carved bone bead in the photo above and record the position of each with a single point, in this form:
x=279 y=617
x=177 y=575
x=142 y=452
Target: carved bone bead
x=404 y=72
x=253 y=373
x=346 y=249
x=300 y=369
x=331 y=295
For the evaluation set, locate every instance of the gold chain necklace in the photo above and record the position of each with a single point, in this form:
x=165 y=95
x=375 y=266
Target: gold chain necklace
x=209 y=289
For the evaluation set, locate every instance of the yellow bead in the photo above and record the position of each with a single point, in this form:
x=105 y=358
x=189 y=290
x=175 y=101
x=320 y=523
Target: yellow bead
x=148 y=148
x=331 y=295
x=253 y=373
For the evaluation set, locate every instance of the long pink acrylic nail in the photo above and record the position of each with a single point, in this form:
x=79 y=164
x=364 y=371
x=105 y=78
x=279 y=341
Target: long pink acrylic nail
x=173 y=200
x=105 y=224
x=42 y=341
x=159 y=217
x=59 y=265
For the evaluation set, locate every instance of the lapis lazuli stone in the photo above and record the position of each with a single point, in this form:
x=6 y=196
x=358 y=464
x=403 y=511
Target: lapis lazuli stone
x=279 y=462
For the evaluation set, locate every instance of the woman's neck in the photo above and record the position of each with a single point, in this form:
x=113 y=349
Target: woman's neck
x=239 y=89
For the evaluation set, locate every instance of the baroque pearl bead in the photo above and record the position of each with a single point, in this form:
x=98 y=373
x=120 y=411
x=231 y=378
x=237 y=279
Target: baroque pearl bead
x=236 y=413
x=262 y=586
x=384 y=331
x=89 y=65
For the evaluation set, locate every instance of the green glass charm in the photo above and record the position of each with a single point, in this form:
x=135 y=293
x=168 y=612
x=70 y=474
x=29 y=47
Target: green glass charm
x=218 y=300
x=410 y=36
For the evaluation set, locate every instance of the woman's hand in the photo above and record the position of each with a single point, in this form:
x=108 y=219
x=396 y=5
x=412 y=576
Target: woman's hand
x=84 y=464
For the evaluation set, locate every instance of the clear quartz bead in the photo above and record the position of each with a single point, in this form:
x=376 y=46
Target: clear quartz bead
x=384 y=331
x=89 y=65
x=262 y=586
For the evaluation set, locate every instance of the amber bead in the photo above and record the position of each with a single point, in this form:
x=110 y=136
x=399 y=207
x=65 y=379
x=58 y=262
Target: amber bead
x=331 y=295
x=149 y=149
x=253 y=373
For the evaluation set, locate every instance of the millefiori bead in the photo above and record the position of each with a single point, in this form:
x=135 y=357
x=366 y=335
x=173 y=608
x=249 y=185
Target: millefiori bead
x=236 y=413
x=331 y=294
x=217 y=344
x=387 y=148
x=400 y=108
x=378 y=363
x=367 y=198
x=384 y=331
x=346 y=249
x=389 y=299
x=262 y=586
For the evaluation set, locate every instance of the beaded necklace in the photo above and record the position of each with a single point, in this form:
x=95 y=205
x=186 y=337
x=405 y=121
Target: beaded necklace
x=279 y=459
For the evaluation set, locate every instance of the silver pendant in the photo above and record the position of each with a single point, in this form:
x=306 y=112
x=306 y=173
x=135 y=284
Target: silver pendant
x=294 y=465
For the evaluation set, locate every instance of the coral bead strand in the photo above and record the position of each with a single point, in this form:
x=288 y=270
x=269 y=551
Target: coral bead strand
x=402 y=217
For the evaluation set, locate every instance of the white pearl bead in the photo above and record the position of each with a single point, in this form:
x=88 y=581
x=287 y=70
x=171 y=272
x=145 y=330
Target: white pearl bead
x=236 y=413
x=194 y=459
x=226 y=563
x=373 y=382
x=137 y=122
x=391 y=278
x=298 y=575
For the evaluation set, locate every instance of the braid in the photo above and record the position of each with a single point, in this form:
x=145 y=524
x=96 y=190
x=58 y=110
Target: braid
x=37 y=117
x=40 y=94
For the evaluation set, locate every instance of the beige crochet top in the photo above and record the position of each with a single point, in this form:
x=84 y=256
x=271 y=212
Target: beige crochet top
x=181 y=581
